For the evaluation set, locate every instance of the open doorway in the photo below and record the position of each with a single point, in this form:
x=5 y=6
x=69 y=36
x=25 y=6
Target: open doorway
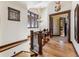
x=59 y=25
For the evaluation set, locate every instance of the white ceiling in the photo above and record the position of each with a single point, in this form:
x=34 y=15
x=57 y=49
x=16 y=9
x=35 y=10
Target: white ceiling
x=35 y=4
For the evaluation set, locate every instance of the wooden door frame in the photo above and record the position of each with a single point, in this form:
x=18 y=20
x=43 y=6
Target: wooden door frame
x=63 y=12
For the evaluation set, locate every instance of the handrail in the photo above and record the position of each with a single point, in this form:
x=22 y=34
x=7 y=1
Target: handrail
x=11 y=45
x=41 y=38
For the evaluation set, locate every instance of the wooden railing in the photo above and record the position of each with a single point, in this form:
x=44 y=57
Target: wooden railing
x=11 y=45
x=40 y=39
x=36 y=36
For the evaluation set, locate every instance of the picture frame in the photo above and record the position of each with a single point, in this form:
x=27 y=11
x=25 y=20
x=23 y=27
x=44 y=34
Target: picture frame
x=13 y=14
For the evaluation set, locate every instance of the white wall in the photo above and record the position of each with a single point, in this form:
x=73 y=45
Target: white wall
x=12 y=30
x=44 y=19
x=76 y=45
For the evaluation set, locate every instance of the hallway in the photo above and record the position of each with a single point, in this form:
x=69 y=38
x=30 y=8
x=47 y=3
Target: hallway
x=56 y=49
x=26 y=28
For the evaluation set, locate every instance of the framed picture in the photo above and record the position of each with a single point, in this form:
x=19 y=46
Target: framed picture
x=76 y=23
x=13 y=14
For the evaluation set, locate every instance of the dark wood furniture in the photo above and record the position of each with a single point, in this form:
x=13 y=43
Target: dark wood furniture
x=51 y=22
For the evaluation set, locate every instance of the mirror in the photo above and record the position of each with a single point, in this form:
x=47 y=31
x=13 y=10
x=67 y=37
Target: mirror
x=76 y=23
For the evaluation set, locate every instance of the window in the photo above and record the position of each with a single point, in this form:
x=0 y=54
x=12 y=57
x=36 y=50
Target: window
x=32 y=20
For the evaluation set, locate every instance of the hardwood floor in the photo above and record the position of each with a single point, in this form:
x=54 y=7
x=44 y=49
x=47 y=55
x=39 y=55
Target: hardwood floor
x=54 y=48
x=57 y=49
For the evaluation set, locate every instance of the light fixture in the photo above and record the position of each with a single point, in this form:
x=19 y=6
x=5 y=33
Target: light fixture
x=57 y=5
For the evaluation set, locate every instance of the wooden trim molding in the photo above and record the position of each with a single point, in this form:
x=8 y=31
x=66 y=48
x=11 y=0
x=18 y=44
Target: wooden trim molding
x=75 y=50
x=51 y=23
x=67 y=11
x=11 y=45
x=39 y=38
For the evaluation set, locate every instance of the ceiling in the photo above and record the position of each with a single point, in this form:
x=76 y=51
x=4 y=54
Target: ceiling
x=35 y=4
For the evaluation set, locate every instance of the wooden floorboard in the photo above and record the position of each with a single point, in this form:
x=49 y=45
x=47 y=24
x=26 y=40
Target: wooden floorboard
x=53 y=48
